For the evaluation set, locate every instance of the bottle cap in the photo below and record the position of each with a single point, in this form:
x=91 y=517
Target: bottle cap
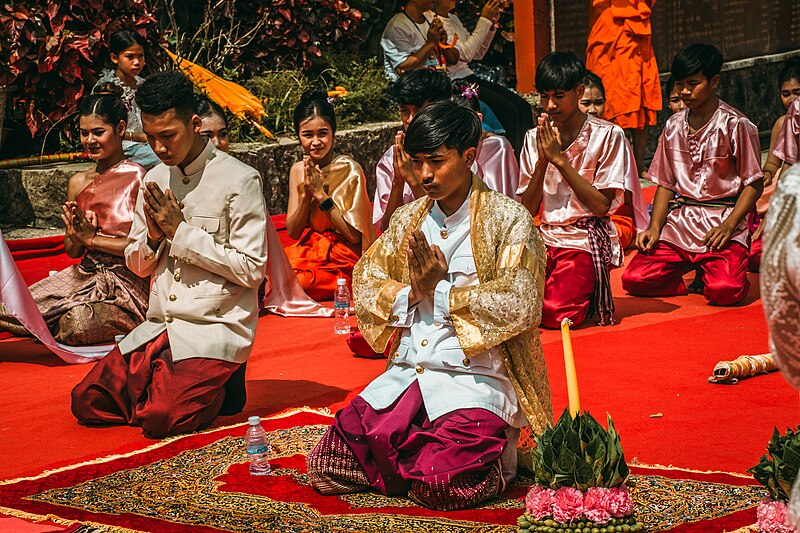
x=341 y=281
x=254 y=420
x=118 y=338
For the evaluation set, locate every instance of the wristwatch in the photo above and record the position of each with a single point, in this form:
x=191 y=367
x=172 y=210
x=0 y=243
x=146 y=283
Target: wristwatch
x=326 y=204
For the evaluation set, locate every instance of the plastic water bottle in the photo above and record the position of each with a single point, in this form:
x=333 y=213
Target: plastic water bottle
x=341 y=306
x=257 y=447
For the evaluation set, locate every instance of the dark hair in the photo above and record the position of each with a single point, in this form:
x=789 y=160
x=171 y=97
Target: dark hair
x=697 y=57
x=121 y=40
x=314 y=103
x=790 y=71
x=466 y=95
x=443 y=123
x=559 y=70
x=207 y=108
x=593 y=80
x=105 y=102
x=167 y=90
x=418 y=86
x=670 y=85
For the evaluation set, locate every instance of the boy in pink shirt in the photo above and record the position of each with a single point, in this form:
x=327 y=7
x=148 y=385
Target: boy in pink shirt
x=573 y=174
x=395 y=183
x=708 y=170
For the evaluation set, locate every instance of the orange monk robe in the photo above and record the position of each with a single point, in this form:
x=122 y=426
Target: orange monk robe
x=623 y=220
x=322 y=255
x=620 y=51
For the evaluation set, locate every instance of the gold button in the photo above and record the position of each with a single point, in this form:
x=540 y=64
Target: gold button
x=177 y=276
x=203 y=228
x=180 y=204
x=217 y=310
x=465 y=361
x=150 y=255
x=436 y=324
x=169 y=319
x=186 y=181
x=420 y=370
x=172 y=297
x=394 y=318
x=424 y=342
x=444 y=233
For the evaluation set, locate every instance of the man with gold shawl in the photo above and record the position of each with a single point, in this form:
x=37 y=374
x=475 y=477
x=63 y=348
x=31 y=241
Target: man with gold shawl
x=466 y=369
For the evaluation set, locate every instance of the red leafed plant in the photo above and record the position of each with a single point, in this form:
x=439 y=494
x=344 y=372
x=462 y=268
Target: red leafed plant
x=52 y=50
x=253 y=36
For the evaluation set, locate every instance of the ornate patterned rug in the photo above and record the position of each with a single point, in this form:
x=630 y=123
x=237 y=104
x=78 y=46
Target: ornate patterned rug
x=200 y=484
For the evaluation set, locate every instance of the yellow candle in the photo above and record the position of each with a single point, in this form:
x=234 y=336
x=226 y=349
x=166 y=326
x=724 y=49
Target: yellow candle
x=569 y=365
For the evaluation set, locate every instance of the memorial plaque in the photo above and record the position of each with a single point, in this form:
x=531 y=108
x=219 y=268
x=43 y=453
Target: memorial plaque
x=572 y=26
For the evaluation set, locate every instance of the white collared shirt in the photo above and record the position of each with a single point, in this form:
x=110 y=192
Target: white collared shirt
x=429 y=350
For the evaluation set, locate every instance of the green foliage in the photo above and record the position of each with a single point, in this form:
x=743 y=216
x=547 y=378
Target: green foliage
x=579 y=453
x=365 y=82
x=778 y=468
x=280 y=91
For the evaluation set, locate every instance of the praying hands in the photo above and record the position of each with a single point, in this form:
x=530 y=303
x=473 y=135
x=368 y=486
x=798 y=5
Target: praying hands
x=548 y=141
x=426 y=267
x=162 y=211
x=80 y=227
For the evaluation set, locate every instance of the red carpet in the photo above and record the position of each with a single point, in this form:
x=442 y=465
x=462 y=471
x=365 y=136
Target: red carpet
x=37 y=257
x=155 y=491
x=656 y=360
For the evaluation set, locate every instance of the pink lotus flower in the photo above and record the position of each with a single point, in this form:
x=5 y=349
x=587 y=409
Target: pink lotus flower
x=771 y=517
x=620 y=503
x=567 y=505
x=597 y=504
x=539 y=502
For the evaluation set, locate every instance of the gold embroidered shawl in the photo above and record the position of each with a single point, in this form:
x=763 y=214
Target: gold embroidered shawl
x=503 y=310
x=343 y=180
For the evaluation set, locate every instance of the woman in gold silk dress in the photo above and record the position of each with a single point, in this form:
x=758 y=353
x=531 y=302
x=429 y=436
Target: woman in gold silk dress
x=327 y=195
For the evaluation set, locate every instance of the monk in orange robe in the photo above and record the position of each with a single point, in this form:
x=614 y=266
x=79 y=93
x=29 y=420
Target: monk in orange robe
x=620 y=51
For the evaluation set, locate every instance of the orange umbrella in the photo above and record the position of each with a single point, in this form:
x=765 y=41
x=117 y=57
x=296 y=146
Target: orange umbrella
x=227 y=94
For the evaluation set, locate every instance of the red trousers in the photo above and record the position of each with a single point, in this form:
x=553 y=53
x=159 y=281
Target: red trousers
x=568 y=287
x=148 y=389
x=450 y=463
x=754 y=257
x=660 y=273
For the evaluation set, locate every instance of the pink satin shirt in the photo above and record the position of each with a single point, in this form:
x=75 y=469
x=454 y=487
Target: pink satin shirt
x=112 y=196
x=498 y=165
x=602 y=156
x=717 y=161
x=787 y=148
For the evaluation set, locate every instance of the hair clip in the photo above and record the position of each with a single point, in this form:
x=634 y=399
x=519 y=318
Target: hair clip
x=337 y=92
x=469 y=90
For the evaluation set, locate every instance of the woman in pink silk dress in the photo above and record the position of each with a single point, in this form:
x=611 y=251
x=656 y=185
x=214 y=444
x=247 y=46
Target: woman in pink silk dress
x=283 y=294
x=99 y=298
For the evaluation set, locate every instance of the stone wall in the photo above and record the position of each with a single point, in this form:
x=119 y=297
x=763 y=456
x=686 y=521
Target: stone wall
x=366 y=145
x=32 y=196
